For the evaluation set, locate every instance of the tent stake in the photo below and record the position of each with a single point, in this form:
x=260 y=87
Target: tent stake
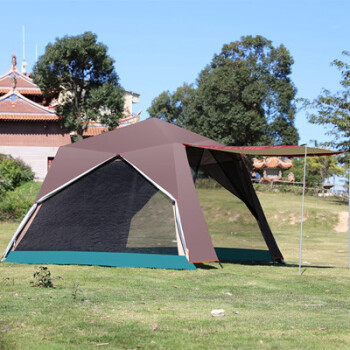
x=302 y=213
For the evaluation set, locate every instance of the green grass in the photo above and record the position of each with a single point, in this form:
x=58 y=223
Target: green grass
x=267 y=307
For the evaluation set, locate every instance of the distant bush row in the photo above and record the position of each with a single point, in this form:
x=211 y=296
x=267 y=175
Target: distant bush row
x=292 y=188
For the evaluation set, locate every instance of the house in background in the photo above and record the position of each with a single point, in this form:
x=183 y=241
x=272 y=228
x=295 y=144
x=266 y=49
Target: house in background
x=273 y=168
x=30 y=129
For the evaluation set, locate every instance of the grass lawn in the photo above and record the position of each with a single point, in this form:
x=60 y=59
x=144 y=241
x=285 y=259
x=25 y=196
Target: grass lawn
x=267 y=307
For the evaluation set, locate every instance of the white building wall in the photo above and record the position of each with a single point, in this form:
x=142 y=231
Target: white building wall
x=130 y=98
x=35 y=157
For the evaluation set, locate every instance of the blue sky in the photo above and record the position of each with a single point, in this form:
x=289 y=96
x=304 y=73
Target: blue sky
x=159 y=45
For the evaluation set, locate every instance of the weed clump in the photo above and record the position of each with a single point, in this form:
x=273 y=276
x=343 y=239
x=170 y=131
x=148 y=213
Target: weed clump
x=42 y=278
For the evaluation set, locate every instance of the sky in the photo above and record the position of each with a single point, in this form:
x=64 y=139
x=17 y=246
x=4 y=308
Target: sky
x=158 y=45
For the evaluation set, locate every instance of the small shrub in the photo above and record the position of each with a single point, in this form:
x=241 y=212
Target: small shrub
x=42 y=278
x=13 y=173
x=15 y=204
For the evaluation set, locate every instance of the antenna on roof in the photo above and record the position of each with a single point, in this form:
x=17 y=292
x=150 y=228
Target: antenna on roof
x=24 y=63
x=36 y=52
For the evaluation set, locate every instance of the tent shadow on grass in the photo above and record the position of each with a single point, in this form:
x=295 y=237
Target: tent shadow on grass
x=309 y=266
x=260 y=263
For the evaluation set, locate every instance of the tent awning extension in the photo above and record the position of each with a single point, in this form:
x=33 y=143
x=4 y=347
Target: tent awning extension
x=286 y=151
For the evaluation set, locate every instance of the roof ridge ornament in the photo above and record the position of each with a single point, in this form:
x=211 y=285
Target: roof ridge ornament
x=14 y=61
x=13 y=80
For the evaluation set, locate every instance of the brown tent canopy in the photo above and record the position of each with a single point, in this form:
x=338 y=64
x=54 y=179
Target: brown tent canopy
x=270 y=151
x=127 y=198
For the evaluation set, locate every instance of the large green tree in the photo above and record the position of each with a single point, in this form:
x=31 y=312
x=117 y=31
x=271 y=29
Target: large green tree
x=176 y=107
x=79 y=71
x=333 y=109
x=243 y=97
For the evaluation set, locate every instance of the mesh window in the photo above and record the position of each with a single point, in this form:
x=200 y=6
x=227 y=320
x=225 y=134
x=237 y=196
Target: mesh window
x=229 y=220
x=111 y=209
x=157 y=216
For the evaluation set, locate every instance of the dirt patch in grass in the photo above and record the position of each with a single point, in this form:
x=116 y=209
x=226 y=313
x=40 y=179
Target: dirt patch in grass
x=343 y=222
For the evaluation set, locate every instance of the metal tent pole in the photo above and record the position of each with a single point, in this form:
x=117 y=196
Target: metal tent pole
x=302 y=212
x=349 y=220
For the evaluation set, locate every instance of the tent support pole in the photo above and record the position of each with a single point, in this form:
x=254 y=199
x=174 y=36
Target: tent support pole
x=302 y=212
x=349 y=221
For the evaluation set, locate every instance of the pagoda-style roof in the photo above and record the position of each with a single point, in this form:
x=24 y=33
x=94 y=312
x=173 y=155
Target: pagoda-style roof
x=15 y=78
x=15 y=107
x=94 y=128
x=272 y=163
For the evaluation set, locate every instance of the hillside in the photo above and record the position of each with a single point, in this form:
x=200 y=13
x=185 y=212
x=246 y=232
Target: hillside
x=325 y=227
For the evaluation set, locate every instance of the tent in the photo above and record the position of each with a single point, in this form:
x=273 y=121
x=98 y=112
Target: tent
x=127 y=198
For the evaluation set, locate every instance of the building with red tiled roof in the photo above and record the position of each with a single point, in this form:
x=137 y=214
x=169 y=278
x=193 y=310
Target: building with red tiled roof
x=28 y=130
x=15 y=106
x=96 y=128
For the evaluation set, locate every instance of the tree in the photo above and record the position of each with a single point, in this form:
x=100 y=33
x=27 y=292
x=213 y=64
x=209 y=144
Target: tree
x=318 y=169
x=334 y=109
x=79 y=70
x=174 y=107
x=243 y=97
